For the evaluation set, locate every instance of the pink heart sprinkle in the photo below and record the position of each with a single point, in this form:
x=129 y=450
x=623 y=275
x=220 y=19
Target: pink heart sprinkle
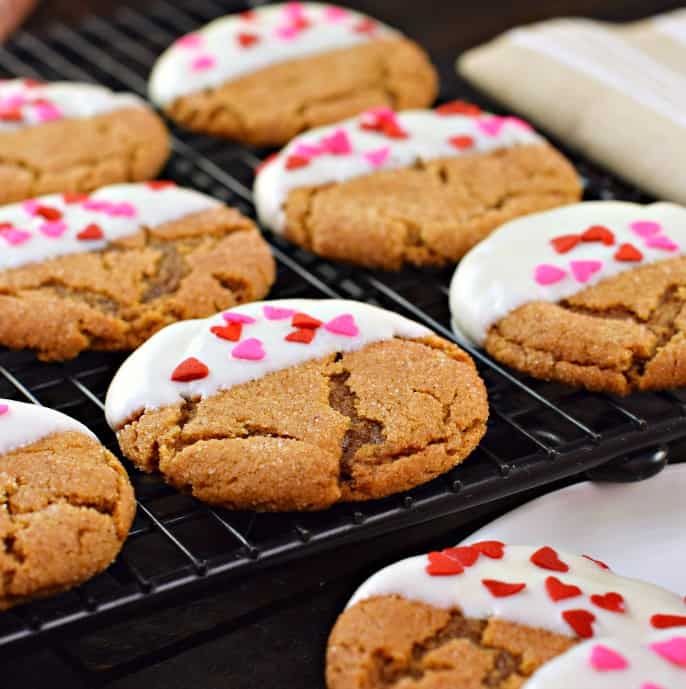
x=343 y=325
x=4 y=408
x=661 y=242
x=380 y=114
x=672 y=650
x=337 y=143
x=308 y=151
x=645 y=228
x=13 y=101
x=53 y=229
x=250 y=349
x=287 y=33
x=604 y=659
x=190 y=41
x=95 y=205
x=30 y=206
x=650 y=685
x=583 y=270
x=293 y=10
x=47 y=112
x=335 y=14
x=546 y=274
x=378 y=157
x=203 y=63
x=491 y=124
x=518 y=122
x=122 y=210
x=15 y=236
x=231 y=317
x=276 y=313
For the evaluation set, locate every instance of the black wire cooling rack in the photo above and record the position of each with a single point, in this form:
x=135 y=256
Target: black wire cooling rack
x=538 y=432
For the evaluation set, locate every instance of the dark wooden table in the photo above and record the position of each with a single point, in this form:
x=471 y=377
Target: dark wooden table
x=227 y=638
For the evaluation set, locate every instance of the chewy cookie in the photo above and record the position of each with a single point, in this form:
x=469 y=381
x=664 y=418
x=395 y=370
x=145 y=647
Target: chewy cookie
x=507 y=617
x=297 y=404
x=74 y=137
x=592 y=295
x=419 y=187
x=106 y=270
x=66 y=504
x=265 y=75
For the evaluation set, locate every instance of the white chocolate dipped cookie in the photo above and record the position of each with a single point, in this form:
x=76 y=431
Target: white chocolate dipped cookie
x=297 y=404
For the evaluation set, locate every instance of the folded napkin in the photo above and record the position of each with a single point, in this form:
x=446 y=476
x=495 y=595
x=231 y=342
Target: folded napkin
x=616 y=93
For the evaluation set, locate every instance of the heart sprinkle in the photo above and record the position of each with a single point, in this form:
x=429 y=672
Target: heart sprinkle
x=565 y=243
x=462 y=143
x=275 y=313
x=304 y=335
x=203 y=62
x=246 y=40
x=628 y=252
x=673 y=650
x=546 y=558
x=441 y=565
x=584 y=270
x=232 y=317
x=190 y=369
x=377 y=157
x=598 y=233
x=667 y=621
x=250 y=350
x=493 y=549
x=502 y=589
x=458 y=107
x=612 y=601
x=302 y=320
x=547 y=274
x=600 y=563
x=293 y=162
x=581 y=621
x=661 y=242
x=230 y=332
x=465 y=555
x=343 y=325
x=4 y=408
x=558 y=590
x=604 y=659
x=645 y=228
x=15 y=236
x=90 y=233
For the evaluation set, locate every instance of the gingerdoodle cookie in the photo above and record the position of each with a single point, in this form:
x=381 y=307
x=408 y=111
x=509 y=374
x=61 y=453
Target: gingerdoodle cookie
x=74 y=137
x=66 y=504
x=419 y=187
x=107 y=270
x=507 y=617
x=591 y=295
x=265 y=75
x=297 y=404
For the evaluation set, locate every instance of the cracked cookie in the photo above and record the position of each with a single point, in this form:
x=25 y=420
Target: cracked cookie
x=73 y=137
x=592 y=295
x=265 y=75
x=507 y=617
x=297 y=404
x=66 y=504
x=106 y=270
x=420 y=187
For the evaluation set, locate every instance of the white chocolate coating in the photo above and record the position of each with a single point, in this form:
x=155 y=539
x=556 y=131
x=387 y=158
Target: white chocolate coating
x=25 y=104
x=22 y=424
x=118 y=210
x=220 y=52
x=144 y=381
x=499 y=274
x=629 y=631
x=429 y=135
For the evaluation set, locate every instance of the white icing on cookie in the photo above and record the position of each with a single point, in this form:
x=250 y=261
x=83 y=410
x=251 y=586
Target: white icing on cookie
x=380 y=139
x=243 y=344
x=22 y=424
x=515 y=583
x=59 y=224
x=519 y=263
x=238 y=44
x=26 y=103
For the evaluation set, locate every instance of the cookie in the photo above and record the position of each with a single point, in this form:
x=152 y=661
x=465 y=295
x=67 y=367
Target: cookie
x=63 y=136
x=107 y=270
x=265 y=75
x=420 y=187
x=297 y=404
x=66 y=504
x=507 y=617
x=590 y=295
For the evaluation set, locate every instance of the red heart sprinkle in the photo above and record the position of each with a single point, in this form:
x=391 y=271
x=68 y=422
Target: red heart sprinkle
x=600 y=563
x=91 y=232
x=581 y=621
x=598 y=233
x=49 y=213
x=461 y=142
x=493 y=549
x=32 y=83
x=247 y=39
x=366 y=25
x=502 y=589
x=157 y=184
x=301 y=23
x=304 y=335
x=464 y=554
x=230 y=331
x=628 y=252
x=294 y=162
x=612 y=601
x=190 y=369
x=565 y=243
x=440 y=565
x=4 y=225
x=393 y=130
x=13 y=115
x=458 y=107
x=302 y=320
x=666 y=621
x=558 y=590
x=547 y=558
x=73 y=197
x=247 y=15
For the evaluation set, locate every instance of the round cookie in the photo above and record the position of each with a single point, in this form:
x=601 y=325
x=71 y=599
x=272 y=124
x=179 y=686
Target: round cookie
x=507 y=617
x=74 y=137
x=66 y=504
x=265 y=75
x=105 y=271
x=591 y=295
x=420 y=187
x=297 y=404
